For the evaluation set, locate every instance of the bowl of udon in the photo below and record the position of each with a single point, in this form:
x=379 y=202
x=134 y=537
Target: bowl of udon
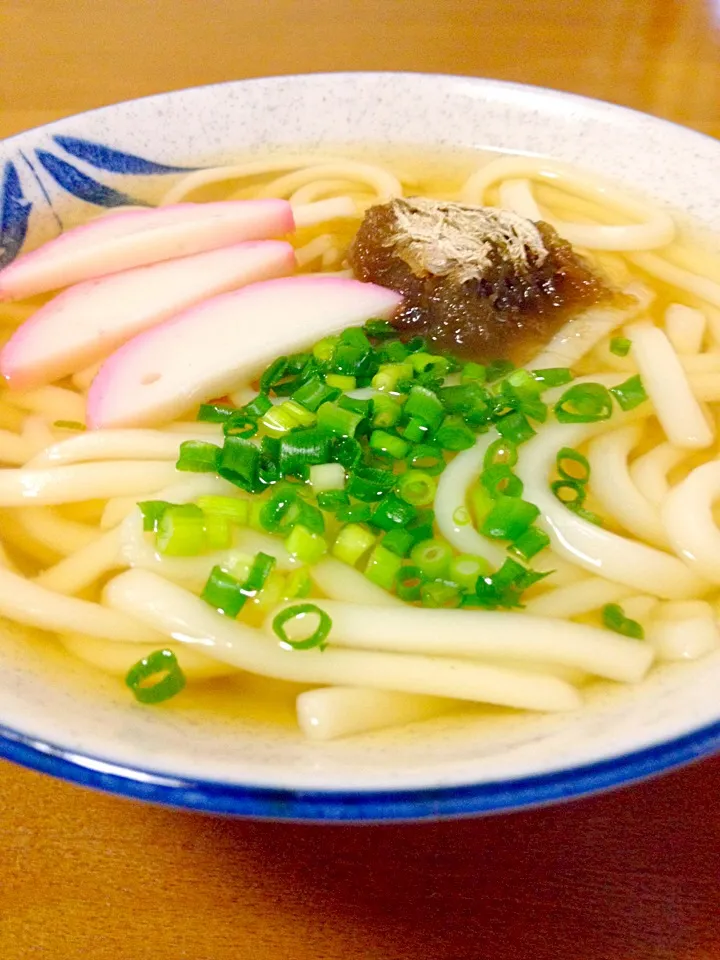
x=358 y=447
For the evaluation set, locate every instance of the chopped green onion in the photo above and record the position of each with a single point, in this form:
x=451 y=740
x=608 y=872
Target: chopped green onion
x=614 y=618
x=522 y=385
x=346 y=451
x=465 y=399
x=230 y=508
x=369 y=483
x=348 y=360
x=499 y=481
x=274 y=374
x=307 y=546
x=416 y=343
x=301 y=449
x=570 y=492
x=215 y=412
x=181 y=531
x=197 y=456
x=584 y=403
x=323 y=350
x=336 y=420
x=416 y=431
x=587 y=515
x=152 y=511
x=427 y=458
x=325 y=477
x=313 y=393
x=298 y=612
x=572 y=465
x=161 y=666
x=421 y=528
x=339 y=381
x=394 y=351
x=355 y=513
x=409 y=582
x=509 y=518
x=474 y=371
x=390 y=374
x=259 y=572
x=389 y=443
x=287 y=416
x=224 y=593
x=257 y=407
x=429 y=363
x=424 y=405
x=382 y=567
x=239 y=463
x=70 y=425
x=363 y=407
x=530 y=543
x=630 y=393
x=385 y=411
x=553 y=376
x=466 y=568
x=432 y=557
x=332 y=500
x=351 y=543
x=515 y=427
x=298 y=584
x=504 y=588
x=417 y=488
x=218 y=533
x=498 y=369
x=399 y=541
x=481 y=502
x=453 y=434
x=500 y=452
x=380 y=329
x=440 y=593
x=240 y=425
x=392 y=512
x=620 y=346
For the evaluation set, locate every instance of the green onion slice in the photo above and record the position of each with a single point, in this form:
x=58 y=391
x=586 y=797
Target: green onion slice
x=163 y=668
x=614 y=618
x=584 y=403
x=300 y=611
x=630 y=393
x=572 y=465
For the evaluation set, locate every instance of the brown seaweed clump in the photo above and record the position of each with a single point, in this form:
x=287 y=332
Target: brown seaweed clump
x=477 y=281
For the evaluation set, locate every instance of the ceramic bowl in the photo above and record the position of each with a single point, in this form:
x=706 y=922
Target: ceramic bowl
x=67 y=720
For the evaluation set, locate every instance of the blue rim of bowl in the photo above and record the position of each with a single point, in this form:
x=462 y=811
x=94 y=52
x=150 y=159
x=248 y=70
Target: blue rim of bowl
x=380 y=806
x=357 y=806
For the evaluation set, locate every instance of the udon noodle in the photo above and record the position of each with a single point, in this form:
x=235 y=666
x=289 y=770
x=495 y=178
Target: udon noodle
x=78 y=560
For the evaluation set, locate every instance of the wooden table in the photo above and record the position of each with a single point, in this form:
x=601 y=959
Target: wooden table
x=630 y=876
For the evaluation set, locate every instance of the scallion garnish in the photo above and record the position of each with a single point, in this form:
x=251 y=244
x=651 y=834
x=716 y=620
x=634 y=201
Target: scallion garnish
x=630 y=393
x=454 y=434
x=197 y=456
x=570 y=492
x=258 y=407
x=306 y=546
x=240 y=425
x=432 y=558
x=515 y=427
x=399 y=541
x=553 y=376
x=584 y=403
x=498 y=369
x=369 y=483
x=620 y=346
x=500 y=452
x=614 y=618
x=529 y=544
x=440 y=594
x=156 y=678
x=298 y=612
x=338 y=421
x=181 y=530
x=500 y=481
x=383 y=567
x=152 y=511
x=215 y=412
x=392 y=512
x=223 y=592
x=239 y=464
x=427 y=458
x=389 y=443
x=417 y=487
x=352 y=542
x=70 y=425
x=466 y=568
x=572 y=465
x=422 y=404
x=509 y=518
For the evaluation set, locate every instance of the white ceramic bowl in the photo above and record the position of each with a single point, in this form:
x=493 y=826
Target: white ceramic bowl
x=66 y=720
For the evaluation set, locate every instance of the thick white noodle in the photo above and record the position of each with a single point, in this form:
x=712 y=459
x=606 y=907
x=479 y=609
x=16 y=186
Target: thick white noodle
x=380 y=181
x=657 y=228
x=668 y=387
x=14 y=449
x=314 y=250
x=579 y=335
x=613 y=487
x=685 y=327
x=335 y=208
x=54 y=403
x=320 y=190
x=49 y=527
x=451 y=513
x=340 y=582
x=85 y=567
x=332 y=712
x=116 y=658
x=577 y=599
x=597 y=550
x=650 y=472
x=684 y=631
x=486 y=635
x=688 y=517
x=699 y=286
x=83 y=378
x=119 y=445
x=187 y=619
x=85 y=481
x=241 y=171
x=25 y=602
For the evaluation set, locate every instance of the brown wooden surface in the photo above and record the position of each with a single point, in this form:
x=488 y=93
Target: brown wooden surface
x=630 y=876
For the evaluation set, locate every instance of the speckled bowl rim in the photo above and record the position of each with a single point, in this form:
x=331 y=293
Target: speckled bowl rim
x=367 y=806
